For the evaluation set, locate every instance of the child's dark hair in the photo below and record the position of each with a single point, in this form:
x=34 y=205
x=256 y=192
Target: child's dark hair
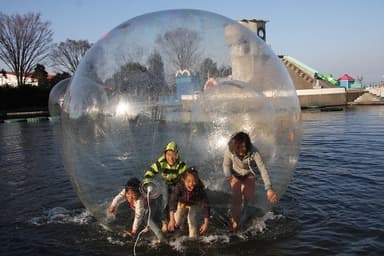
x=134 y=185
x=237 y=140
x=193 y=171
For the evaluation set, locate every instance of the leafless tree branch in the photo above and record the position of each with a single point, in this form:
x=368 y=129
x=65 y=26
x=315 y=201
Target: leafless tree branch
x=67 y=55
x=24 y=42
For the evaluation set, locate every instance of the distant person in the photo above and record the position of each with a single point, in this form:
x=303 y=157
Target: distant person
x=170 y=166
x=186 y=201
x=240 y=158
x=138 y=203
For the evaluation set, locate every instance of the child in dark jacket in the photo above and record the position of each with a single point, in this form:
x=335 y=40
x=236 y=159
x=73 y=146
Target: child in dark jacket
x=188 y=198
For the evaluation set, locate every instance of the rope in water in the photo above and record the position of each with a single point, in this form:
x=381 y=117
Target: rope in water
x=146 y=227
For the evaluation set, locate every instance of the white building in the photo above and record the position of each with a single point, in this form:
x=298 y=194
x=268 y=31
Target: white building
x=9 y=78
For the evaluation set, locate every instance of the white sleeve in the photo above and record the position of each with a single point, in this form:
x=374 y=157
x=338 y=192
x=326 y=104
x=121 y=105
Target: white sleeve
x=119 y=198
x=263 y=170
x=227 y=163
x=139 y=213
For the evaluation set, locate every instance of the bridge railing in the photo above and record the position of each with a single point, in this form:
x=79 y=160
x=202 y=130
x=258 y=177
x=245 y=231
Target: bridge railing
x=378 y=91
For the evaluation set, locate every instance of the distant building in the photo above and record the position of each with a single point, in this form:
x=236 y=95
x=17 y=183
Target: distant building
x=9 y=78
x=257 y=26
x=186 y=84
x=348 y=82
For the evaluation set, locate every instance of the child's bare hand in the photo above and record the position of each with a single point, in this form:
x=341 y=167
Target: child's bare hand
x=271 y=195
x=111 y=212
x=127 y=233
x=203 y=228
x=171 y=225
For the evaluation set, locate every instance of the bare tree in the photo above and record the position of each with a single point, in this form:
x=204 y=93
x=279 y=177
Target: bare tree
x=360 y=79
x=181 y=47
x=24 y=42
x=66 y=56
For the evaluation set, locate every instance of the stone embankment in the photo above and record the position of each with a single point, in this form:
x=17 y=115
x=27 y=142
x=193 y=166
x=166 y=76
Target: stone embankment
x=25 y=116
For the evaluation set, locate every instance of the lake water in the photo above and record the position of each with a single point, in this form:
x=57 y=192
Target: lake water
x=334 y=204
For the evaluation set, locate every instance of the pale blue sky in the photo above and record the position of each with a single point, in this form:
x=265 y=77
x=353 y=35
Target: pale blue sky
x=331 y=36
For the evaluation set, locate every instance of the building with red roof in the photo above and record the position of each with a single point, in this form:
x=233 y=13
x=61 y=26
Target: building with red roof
x=348 y=82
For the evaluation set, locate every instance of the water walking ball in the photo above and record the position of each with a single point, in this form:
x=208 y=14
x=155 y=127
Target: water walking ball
x=189 y=76
x=56 y=97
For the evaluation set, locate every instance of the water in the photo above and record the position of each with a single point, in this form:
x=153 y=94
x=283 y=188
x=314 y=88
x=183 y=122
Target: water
x=333 y=206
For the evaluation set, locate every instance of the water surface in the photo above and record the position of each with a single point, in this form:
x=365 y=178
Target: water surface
x=334 y=204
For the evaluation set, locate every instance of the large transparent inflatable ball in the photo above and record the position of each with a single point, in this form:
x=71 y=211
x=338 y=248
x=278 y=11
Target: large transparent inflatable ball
x=188 y=76
x=56 y=97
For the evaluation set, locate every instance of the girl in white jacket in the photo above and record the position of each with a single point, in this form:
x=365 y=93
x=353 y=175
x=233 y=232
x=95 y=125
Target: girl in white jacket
x=239 y=157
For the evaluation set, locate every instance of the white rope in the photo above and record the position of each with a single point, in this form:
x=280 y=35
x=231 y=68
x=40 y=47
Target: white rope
x=146 y=227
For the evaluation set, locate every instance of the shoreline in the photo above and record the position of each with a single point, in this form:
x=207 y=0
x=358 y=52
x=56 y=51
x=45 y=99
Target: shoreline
x=43 y=115
x=35 y=115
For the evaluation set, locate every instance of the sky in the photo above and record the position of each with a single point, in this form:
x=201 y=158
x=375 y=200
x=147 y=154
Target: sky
x=331 y=36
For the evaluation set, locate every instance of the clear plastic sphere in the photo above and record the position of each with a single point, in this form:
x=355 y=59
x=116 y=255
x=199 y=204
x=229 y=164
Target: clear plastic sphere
x=56 y=97
x=190 y=76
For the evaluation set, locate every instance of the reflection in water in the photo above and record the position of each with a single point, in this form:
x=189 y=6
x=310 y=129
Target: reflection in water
x=328 y=208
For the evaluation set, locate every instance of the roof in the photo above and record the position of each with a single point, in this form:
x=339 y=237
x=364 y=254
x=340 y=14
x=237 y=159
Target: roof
x=346 y=77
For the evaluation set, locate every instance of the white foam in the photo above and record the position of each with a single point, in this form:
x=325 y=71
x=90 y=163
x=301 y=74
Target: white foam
x=115 y=241
x=60 y=215
x=209 y=239
x=177 y=244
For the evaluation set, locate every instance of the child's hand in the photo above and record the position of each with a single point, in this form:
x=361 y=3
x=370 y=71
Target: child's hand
x=204 y=228
x=112 y=212
x=171 y=225
x=271 y=195
x=127 y=233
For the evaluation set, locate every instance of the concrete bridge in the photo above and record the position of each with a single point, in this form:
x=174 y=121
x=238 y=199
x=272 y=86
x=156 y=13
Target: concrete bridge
x=372 y=96
x=314 y=89
x=314 y=92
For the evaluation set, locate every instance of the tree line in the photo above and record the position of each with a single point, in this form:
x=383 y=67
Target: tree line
x=26 y=44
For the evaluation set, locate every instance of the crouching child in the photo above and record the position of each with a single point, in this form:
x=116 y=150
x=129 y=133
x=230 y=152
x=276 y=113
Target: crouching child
x=138 y=203
x=186 y=201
